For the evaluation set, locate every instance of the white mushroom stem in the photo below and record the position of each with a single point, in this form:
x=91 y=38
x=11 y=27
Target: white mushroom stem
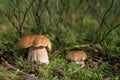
x=81 y=63
x=38 y=54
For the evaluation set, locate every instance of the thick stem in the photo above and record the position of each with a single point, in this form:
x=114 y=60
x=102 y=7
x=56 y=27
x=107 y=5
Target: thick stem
x=38 y=54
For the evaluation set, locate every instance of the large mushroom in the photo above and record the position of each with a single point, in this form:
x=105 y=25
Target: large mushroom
x=39 y=47
x=77 y=56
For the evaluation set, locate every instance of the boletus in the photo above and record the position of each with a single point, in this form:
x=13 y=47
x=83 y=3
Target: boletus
x=77 y=56
x=39 y=47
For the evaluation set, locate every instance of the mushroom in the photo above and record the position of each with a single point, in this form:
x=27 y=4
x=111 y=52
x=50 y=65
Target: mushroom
x=39 y=47
x=77 y=56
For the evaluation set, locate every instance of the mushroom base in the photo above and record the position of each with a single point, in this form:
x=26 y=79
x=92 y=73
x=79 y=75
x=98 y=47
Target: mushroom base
x=38 y=54
x=81 y=63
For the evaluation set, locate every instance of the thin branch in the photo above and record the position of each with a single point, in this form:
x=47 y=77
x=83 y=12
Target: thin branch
x=8 y=15
x=104 y=37
x=99 y=17
x=25 y=14
x=39 y=4
x=12 y=66
x=116 y=18
x=83 y=15
x=43 y=8
x=79 y=3
x=107 y=11
x=35 y=11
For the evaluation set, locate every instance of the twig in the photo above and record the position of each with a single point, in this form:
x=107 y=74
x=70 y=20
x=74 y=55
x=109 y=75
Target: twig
x=107 y=11
x=104 y=37
x=24 y=17
x=8 y=15
x=12 y=66
x=97 y=14
x=79 y=4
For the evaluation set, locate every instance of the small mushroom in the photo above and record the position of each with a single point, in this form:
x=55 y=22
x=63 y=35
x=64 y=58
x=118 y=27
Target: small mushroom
x=77 y=56
x=39 y=47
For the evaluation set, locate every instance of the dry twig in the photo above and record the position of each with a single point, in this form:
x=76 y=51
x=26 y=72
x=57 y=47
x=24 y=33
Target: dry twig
x=9 y=65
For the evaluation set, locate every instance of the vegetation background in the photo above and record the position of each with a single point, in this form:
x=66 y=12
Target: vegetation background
x=89 y=25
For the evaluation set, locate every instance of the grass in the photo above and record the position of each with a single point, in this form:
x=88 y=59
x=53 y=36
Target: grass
x=68 y=70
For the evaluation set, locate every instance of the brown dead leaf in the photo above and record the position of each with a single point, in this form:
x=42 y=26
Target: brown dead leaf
x=93 y=63
x=107 y=78
x=115 y=63
x=5 y=42
x=31 y=77
x=59 y=71
x=97 y=46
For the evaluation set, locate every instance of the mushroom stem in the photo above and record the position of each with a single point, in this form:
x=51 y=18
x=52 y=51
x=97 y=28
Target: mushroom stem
x=38 y=54
x=81 y=63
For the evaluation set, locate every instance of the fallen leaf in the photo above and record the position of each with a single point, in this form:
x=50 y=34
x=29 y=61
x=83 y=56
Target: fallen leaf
x=93 y=63
x=31 y=77
x=107 y=78
x=59 y=71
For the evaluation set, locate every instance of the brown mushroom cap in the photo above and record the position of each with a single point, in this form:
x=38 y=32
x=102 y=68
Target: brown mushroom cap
x=26 y=41
x=42 y=41
x=34 y=40
x=76 y=56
